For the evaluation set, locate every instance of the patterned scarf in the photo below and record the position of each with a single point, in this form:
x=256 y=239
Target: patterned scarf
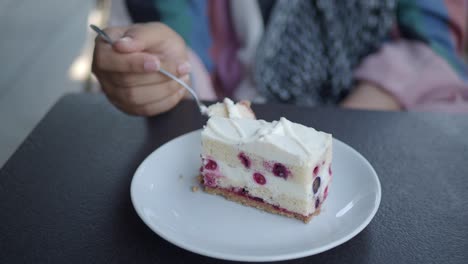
x=311 y=47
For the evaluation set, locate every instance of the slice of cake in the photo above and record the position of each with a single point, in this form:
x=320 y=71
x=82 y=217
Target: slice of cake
x=280 y=167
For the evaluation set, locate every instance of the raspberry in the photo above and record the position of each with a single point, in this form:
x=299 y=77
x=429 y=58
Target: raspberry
x=259 y=178
x=316 y=170
x=211 y=165
x=280 y=170
x=244 y=160
x=317 y=203
x=316 y=185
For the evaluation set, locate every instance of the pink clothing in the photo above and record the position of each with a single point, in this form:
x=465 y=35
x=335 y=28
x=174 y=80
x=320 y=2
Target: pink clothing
x=416 y=76
x=458 y=10
x=228 y=70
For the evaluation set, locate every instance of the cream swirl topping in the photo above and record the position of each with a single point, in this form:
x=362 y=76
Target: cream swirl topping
x=292 y=138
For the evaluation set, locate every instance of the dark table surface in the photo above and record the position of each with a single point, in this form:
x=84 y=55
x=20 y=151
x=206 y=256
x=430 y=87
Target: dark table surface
x=65 y=193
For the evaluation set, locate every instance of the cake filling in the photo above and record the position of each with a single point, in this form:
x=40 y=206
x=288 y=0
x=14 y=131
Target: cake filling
x=267 y=186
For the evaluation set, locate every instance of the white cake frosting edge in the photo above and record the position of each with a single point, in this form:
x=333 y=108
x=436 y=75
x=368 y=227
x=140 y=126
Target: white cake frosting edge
x=283 y=140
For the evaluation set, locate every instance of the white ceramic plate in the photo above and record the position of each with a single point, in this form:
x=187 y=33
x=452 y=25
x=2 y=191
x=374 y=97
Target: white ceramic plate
x=162 y=195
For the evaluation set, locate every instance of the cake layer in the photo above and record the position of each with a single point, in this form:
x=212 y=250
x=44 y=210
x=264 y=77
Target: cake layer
x=295 y=197
x=236 y=156
x=250 y=201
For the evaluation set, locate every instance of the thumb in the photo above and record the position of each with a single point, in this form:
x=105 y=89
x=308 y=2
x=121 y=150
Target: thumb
x=127 y=44
x=123 y=42
x=140 y=37
x=149 y=37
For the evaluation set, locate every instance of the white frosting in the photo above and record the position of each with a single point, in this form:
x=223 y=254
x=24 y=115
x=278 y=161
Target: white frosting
x=238 y=128
x=232 y=109
x=289 y=132
x=279 y=140
x=229 y=109
x=204 y=110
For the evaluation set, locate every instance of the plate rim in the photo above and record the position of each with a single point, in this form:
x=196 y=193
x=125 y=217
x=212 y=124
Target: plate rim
x=236 y=257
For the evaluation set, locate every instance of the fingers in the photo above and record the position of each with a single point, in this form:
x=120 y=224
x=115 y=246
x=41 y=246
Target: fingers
x=129 y=80
x=148 y=36
x=107 y=59
x=128 y=70
x=142 y=95
x=127 y=44
x=156 y=39
x=141 y=48
x=114 y=33
x=145 y=100
x=161 y=106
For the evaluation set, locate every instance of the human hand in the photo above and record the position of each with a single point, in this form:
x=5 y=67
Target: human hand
x=366 y=95
x=128 y=69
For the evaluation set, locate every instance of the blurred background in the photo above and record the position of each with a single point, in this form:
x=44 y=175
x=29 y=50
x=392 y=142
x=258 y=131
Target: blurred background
x=46 y=54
